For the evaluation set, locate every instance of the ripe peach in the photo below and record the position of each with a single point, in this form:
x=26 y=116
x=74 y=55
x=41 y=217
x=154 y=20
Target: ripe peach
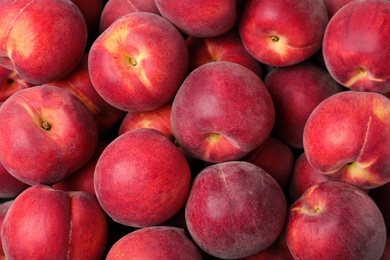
x=356 y=44
x=235 y=209
x=342 y=135
x=141 y=178
x=47 y=134
x=139 y=62
x=43 y=223
x=41 y=40
x=221 y=112
x=283 y=32
x=335 y=220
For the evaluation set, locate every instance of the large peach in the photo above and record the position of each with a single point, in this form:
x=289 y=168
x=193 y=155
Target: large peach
x=347 y=137
x=139 y=62
x=356 y=46
x=47 y=134
x=41 y=40
x=335 y=220
x=221 y=112
x=200 y=18
x=235 y=209
x=283 y=32
x=43 y=223
x=141 y=178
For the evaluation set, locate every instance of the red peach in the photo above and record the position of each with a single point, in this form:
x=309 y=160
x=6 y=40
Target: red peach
x=235 y=209
x=41 y=40
x=342 y=135
x=47 y=134
x=139 y=62
x=43 y=223
x=283 y=32
x=335 y=220
x=141 y=178
x=356 y=46
x=221 y=112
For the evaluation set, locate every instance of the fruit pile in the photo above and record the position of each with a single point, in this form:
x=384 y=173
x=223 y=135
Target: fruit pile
x=195 y=129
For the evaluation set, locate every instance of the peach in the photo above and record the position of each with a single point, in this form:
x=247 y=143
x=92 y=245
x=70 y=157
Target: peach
x=78 y=82
x=156 y=242
x=296 y=90
x=139 y=62
x=275 y=157
x=221 y=112
x=356 y=43
x=199 y=18
x=37 y=48
x=47 y=134
x=283 y=32
x=141 y=178
x=225 y=47
x=115 y=9
x=43 y=223
x=342 y=135
x=235 y=209
x=335 y=220
x=158 y=119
